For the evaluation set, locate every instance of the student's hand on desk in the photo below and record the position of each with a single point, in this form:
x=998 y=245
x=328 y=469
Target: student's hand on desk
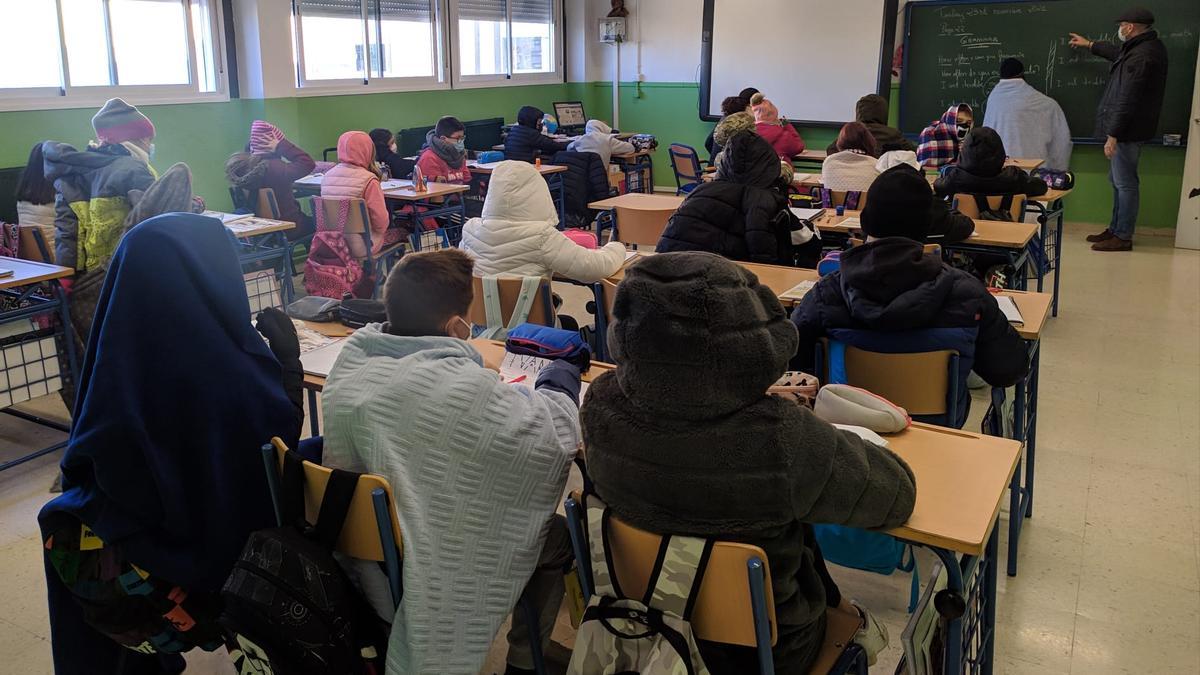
x=1110 y=147
x=1080 y=42
x=280 y=333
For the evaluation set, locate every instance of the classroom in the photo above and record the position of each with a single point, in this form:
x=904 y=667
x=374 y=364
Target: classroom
x=581 y=337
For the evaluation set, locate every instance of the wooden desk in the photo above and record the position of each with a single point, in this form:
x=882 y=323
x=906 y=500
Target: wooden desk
x=26 y=272
x=434 y=191
x=1051 y=196
x=961 y=479
x=811 y=155
x=253 y=226
x=778 y=278
x=1024 y=163
x=1035 y=309
x=992 y=233
x=639 y=200
x=544 y=169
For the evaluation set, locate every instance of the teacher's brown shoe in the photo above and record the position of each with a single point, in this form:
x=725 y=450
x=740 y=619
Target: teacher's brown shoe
x=1113 y=244
x=1103 y=236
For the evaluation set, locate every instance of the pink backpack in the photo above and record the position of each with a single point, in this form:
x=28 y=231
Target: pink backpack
x=331 y=270
x=582 y=237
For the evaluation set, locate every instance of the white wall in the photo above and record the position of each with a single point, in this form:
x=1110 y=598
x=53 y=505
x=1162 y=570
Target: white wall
x=663 y=46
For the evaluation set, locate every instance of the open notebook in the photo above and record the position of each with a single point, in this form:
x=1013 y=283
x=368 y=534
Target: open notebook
x=521 y=370
x=798 y=291
x=1010 y=309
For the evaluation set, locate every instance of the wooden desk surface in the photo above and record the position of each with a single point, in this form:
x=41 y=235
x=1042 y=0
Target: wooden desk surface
x=987 y=232
x=1052 y=195
x=810 y=155
x=631 y=156
x=1035 y=309
x=435 y=190
x=253 y=226
x=545 y=169
x=26 y=272
x=778 y=278
x=962 y=478
x=1024 y=163
x=640 y=200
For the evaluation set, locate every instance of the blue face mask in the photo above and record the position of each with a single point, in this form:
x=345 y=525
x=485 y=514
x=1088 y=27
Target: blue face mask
x=460 y=144
x=150 y=151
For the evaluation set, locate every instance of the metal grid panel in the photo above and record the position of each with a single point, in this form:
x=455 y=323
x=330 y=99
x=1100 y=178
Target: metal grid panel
x=29 y=365
x=262 y=289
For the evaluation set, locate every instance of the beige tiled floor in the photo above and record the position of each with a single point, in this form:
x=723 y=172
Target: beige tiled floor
x=1109 y=574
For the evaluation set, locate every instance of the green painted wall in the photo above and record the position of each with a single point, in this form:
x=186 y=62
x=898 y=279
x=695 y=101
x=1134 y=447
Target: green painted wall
x=669 y=111
x=204 y=134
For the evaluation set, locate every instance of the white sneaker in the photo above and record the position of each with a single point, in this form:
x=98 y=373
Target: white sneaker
x=872 y=637
x=975 y=382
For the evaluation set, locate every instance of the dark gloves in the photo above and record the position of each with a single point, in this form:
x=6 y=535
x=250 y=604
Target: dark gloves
x=280 y=333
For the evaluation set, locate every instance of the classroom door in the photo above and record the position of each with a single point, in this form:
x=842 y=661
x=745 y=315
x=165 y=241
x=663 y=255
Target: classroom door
x=1187 y=227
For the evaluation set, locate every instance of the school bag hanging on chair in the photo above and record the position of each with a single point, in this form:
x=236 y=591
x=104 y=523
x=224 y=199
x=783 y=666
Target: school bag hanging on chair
x=651 y=635
x=289 y=607
x=332 y=270
x=496 y=328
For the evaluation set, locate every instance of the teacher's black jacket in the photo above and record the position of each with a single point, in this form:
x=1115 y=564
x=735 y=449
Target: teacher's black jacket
x=1133 y=97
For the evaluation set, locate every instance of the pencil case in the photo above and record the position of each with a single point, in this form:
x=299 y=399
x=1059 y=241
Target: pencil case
x=549 y=343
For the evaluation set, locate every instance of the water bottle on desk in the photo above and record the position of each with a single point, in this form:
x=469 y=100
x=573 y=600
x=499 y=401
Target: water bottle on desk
x=419 y=184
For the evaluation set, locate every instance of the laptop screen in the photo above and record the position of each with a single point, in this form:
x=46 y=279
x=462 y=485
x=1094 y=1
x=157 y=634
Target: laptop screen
x=570 y=113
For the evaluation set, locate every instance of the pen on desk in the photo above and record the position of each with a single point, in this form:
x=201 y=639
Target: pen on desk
x=520 y=378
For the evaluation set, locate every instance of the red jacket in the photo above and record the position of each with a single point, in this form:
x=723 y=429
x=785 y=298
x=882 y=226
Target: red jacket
x=783 y=137
x=436 y=169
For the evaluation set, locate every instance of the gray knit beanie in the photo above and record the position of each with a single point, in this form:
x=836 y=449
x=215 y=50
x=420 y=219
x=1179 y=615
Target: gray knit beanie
x=117 y=122
x=696 y=336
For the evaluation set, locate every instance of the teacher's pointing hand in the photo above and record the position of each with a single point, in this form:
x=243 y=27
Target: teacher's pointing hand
x=1080 y=42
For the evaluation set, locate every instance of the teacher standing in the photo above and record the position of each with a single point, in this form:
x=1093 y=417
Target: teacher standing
x=1127 y=115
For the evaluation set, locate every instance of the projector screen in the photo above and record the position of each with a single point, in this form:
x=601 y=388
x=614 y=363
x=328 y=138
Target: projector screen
x=814 y=60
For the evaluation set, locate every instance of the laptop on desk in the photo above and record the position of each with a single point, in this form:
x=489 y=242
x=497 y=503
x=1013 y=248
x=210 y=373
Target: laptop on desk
x=571 y=117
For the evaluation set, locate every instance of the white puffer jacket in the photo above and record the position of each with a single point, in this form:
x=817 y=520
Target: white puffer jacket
x=518 y=233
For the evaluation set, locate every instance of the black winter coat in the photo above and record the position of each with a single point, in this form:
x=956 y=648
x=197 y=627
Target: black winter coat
x=980 y=170
x=1132 y=100
x=890 y=286
x=872 y=111
x=585 y=181
x=947 y=225
x=524 y=143
x=742 y=215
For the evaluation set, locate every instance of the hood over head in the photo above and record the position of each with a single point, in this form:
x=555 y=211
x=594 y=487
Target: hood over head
x=950 y=117
x=891 y=284
x=871 y=109
x=529 y=116
x=982 y=152
x=766 y=112
x=518 y=193
x=355 y=147
x=597 y=127
x=750 y=160
x=696 y=336
x=731 y=125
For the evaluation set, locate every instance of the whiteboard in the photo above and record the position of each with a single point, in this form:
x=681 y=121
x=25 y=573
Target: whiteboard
x=814 y=60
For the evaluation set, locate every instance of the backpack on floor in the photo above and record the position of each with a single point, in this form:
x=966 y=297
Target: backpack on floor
x=289 y=607
x=651 y=635
x=1002 y=212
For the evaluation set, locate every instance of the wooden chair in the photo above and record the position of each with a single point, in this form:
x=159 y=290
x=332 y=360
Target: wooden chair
x=371 y=530
x=965 y=203
x=356 y=228
x=605 y=293
x=541 y=312
x=923 y=383
x=686 y=164
x=263 y=204
x=734 y=605
x=33 y=245
x=641 y=227
x=927 y=248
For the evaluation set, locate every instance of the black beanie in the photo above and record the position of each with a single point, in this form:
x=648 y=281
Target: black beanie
x=899 y=204
x=696 y=336
x=1010 y=68
x=529 y=116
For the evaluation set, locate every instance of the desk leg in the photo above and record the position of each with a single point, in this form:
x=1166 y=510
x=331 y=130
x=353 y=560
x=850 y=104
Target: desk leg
x=1058 y=235
x=314 y=426
x=1043 y=232
x=953 y=662
x=987 y=628
x=1031 y=424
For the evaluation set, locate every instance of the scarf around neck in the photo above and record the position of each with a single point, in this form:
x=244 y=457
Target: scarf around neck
x=450 y=154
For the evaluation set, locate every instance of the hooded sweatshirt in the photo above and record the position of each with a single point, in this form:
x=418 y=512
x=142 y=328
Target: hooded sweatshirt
x=939 y=141
x=743 y=214
x=872 y=111
x=1030 y=123
x=890 y=296
x=980 y=170
x=525 y=139
x=600 y=140
x=276 y=170
x=93 y=198
x=682 y=438
x=782 y=136
x=354 y=178
x=518 y=233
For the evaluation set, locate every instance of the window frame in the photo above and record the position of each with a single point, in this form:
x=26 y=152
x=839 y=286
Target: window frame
x=68 y=96
x=369 y=83
x=554 y=76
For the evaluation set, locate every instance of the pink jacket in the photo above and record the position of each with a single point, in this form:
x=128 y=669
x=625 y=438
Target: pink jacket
x=353 y=179
x=784 y=138
x=436 y=169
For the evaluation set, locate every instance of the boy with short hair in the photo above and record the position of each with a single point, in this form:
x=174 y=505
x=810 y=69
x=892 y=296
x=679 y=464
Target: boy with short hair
x=890 y=286
x=477 y=468
x=444 y=158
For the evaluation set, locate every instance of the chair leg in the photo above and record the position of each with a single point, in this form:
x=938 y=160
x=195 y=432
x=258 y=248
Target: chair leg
x=579 y=545
x=387 y=539
x=272 y=468
x=535 y=635
x=762 y=627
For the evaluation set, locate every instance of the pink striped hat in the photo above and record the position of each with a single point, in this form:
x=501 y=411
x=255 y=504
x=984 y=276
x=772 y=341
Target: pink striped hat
x=262 y=136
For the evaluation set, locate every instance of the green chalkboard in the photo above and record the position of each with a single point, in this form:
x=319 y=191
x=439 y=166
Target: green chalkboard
x=952 y=54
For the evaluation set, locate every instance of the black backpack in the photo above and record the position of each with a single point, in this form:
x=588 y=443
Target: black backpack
x=289 y=607
x=1002 y=212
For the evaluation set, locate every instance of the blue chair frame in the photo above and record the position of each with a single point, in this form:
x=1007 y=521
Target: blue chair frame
x=693 y=158
x=951 y=414
x=853 y=659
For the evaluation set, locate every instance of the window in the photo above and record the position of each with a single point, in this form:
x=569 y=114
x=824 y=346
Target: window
x=505 y=39
x=365 y=42
x=83 y=51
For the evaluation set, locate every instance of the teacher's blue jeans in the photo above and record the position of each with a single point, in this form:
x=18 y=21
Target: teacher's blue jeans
x=1122 y=173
